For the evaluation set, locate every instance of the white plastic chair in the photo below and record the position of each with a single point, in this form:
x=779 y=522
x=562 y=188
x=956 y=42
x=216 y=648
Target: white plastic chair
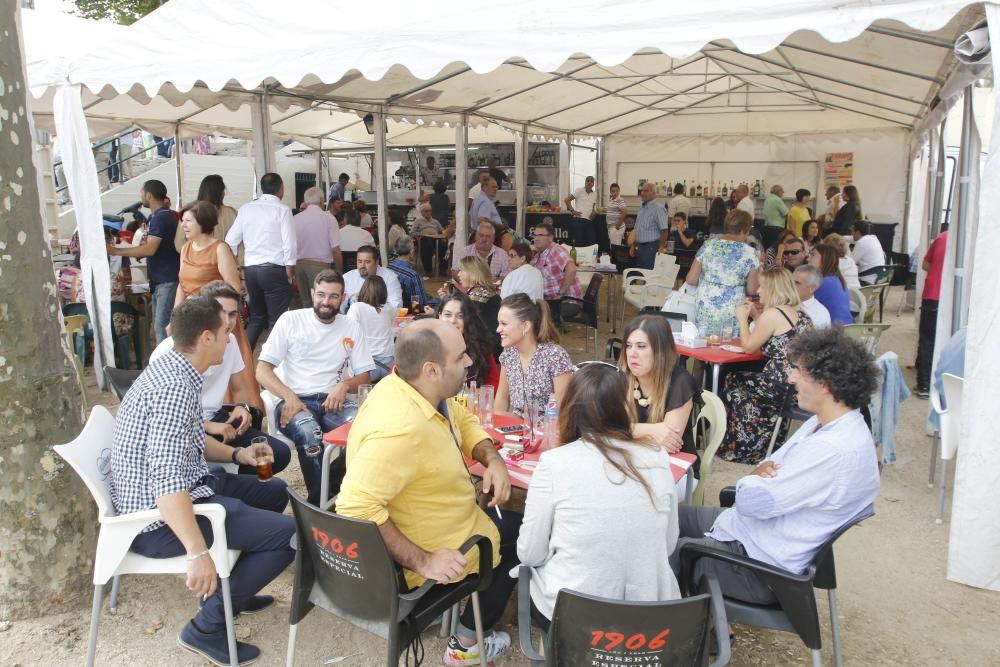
x=868 y=334
x=330 y=452
x=951 y=426
x=645 y=287
x=90 y=456
x=713 y=414
x=859 y=304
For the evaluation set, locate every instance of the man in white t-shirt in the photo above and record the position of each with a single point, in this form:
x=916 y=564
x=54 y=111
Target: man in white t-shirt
x=583 y=205
x=311 y=361
x=351 y=237
x=368 y=264
x=807 y=280
x=745 y=201
x=232 y=423
x=867 y=251
x=679 y=203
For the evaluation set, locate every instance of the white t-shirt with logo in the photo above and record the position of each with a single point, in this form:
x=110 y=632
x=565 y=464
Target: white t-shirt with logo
x=309 y=355
x=216 y=378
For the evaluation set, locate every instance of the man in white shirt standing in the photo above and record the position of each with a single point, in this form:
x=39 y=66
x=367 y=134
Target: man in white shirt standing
x=617 y=210
x=265 y=229
x=232 y=423
x=807 y=280
x=679 y=203
x=311 y=361
x=317 y=238
x=867 y=252
x=745 y=202
x=583 y=205
x=822 y=478
x=368 y=264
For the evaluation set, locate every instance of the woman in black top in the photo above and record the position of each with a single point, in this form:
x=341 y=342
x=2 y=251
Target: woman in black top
x=664 y=396
x=848 y=213
x=716 y=217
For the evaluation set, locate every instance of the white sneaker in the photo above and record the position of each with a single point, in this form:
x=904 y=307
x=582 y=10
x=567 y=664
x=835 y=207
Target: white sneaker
x=456 y=655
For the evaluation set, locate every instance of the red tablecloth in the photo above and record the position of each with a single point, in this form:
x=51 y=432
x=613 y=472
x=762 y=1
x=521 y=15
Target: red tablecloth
x=520 y=471
x=716 y=355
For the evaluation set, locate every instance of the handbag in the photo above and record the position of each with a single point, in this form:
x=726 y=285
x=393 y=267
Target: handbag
x=683 y=300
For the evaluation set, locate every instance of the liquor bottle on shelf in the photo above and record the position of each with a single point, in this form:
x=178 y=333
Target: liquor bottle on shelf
x=684 y=187
x=756 y=188
x=697 y=191
x=691 y=191
x=725 y=190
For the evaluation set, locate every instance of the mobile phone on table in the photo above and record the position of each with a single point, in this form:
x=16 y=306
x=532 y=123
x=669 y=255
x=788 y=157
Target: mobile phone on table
x=513 y=428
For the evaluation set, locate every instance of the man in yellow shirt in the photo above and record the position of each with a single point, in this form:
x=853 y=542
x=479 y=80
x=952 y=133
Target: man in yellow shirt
x=406 y=471
x=798 y=214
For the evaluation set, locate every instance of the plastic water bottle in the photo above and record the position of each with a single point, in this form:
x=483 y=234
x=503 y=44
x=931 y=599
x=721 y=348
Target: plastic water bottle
x=551 y=423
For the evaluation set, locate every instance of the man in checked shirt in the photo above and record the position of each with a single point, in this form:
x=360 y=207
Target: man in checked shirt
x=159 y=460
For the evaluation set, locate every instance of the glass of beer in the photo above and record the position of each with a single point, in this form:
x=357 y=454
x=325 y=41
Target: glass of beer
x=263 y=460
x=403 y=312
x=415 y=305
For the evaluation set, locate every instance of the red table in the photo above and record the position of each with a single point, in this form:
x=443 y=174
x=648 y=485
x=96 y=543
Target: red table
x=716 y=357
x=521 y=471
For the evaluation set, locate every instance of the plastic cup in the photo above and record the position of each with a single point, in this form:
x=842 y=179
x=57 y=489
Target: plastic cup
x=486 y=405
x=403 y=312
x=263 y=461
x=363 y=391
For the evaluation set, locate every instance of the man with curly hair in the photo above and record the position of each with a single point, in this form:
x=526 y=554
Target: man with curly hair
x=826 y=474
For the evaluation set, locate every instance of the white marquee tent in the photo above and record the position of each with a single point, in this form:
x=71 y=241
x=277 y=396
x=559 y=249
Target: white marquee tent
x=756 y=80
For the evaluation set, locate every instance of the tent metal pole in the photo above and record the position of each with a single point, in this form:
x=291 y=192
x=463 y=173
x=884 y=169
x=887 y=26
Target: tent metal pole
x=600 y=186
x=319 y=168
x=179 y=164
x=381 y=190
x=965 y=204
x=461 y=184
x=521 y=176
x=936 y=209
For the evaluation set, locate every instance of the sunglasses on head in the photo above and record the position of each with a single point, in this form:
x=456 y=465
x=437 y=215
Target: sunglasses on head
x=580 y=365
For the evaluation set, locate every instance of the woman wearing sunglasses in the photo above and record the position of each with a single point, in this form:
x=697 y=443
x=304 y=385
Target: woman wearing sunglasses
x=594 y=494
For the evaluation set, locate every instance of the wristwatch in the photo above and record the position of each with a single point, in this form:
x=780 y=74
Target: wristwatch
x=235 y=452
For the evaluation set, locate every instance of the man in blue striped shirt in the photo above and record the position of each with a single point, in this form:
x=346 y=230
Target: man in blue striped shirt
x=824 y=476
x=651 y=228
x=159 y=460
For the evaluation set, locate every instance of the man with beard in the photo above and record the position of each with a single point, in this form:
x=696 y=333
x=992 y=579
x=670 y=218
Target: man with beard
x=405 y=476
x=368 y=264
x=305 y=363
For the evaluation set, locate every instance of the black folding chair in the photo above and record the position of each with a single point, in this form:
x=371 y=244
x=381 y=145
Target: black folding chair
x=120 y=379
x=343 y=566
x=796 y=610
x=790 y=411
x=584 y=628
x=587 y=316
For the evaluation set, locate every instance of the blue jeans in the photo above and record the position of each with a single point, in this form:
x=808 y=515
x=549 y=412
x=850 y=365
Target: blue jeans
x=163 y=305
x=646 y=254
x=378 y=372
x=254 y=525
x=306 y=430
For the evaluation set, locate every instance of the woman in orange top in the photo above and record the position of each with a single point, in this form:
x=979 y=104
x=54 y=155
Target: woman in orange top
x=204 y=258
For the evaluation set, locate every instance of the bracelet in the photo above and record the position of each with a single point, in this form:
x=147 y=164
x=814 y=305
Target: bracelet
x=235 y=452
x=197 y=555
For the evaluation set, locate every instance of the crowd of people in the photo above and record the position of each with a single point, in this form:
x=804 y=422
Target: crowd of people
x=607 y=480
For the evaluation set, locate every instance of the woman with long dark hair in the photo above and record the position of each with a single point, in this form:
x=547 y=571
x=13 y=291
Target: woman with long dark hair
x=661 y=393
x=810 y=234
x=459 y=311
x=832 y=292
x=213 y=190
x=716 y=221
x=595 y=493
x=376 y=318
x=848 y=213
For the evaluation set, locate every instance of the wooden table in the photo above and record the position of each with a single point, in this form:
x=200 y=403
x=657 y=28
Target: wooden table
x=716 y=357
x=681 y=465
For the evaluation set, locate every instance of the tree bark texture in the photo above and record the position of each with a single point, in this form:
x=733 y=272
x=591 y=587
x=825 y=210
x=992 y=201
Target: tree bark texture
x=47 y=516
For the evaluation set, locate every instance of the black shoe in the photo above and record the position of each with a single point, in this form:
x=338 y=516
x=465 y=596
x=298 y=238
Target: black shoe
x=255 y=604
x=214 y=646
x=922 y=393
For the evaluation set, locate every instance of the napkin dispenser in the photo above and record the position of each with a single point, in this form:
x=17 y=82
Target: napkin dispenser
x=688 y=336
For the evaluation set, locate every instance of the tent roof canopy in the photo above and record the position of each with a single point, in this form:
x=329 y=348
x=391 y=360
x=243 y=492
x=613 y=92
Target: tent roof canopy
x=718 y=67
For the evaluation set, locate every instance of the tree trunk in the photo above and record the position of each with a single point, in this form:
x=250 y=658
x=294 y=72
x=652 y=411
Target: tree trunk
x=47 y=523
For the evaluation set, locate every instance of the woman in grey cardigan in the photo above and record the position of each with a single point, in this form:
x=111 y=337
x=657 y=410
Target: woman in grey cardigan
x=601 y=512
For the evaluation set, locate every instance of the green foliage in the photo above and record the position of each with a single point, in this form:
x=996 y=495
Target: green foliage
x=125 y=12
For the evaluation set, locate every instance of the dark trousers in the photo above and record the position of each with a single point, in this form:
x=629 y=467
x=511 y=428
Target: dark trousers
x=583 y=232
x=269 y=292
x=427 y=249
x=493 y=601
x=646 y=254
x=927 y=332
x=736 y=582
x=282 y=454
x=254 y=525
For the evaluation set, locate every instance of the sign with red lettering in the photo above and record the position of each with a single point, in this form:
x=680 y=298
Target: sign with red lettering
x=614 y=649
x=343 y=558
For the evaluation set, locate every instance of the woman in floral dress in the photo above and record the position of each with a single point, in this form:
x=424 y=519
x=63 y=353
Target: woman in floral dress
x=754 y=399
x=724 y=271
